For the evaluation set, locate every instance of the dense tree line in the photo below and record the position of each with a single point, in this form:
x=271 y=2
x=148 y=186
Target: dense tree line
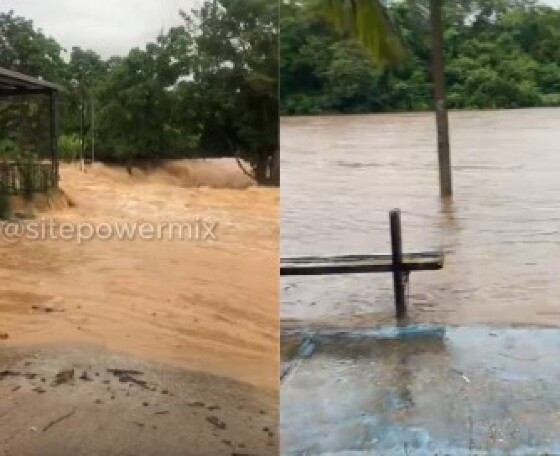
x=208 y=87
x=499 y=54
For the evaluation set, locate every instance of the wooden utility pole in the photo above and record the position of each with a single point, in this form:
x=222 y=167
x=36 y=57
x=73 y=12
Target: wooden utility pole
x=82 y=128
x=438 y=78
x=92 y=130
x=54 y=126
x=399 y=275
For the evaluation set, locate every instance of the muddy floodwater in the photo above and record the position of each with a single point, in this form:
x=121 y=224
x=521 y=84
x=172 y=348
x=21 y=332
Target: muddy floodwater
x=166 y=345
x=501 y=234
x=353 y=383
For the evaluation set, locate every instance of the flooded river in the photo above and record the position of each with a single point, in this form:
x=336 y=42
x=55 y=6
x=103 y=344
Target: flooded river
x=501 y=233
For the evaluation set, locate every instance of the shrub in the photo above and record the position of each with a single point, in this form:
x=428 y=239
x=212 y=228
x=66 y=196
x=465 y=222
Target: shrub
x=68 y=147
x=4 y=204
x=8 y=149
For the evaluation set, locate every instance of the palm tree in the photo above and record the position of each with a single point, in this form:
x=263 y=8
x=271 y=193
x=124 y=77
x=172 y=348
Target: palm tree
x=367 y=21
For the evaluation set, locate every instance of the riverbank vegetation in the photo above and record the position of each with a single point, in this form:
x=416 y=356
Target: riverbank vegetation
x=208 y=87
x=499 y=54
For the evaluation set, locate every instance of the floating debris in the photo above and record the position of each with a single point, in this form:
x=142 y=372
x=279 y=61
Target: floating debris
x=214 y=420
x=196 y=404
x=58 y=420
x=85 y=377
x=8 y=373
x=306 y=348
x=64 y=376
x=127 y=376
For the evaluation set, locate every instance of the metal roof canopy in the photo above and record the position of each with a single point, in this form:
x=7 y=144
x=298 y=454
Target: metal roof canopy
x=14 y=83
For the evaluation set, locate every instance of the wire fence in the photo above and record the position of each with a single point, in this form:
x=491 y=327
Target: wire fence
x=26 y=178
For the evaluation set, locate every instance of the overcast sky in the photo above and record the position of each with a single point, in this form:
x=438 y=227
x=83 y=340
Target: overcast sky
x=109 y=27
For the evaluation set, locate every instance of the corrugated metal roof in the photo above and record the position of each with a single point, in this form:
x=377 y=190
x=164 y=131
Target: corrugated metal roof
x=12 y=80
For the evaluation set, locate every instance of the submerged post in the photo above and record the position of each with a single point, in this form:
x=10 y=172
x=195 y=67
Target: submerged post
x=398 y=270
x=438 y=77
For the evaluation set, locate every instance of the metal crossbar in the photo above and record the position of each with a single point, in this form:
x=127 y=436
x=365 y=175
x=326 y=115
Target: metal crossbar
x=399 y=264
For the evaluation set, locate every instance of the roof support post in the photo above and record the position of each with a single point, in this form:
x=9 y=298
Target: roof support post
x=53 y=99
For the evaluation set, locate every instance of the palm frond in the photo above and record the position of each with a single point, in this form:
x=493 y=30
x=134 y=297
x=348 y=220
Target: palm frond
x=367 y=21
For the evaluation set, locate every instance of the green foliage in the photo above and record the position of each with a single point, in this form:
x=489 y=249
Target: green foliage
x=135 y=118
x=235 y=80
x=23 y=48
x=27 y=50
x=207 y=87
x=8 y=149
x=69 y=147
x=366 y=21
x=30 y=177
x=499 y=54
x=4 y=204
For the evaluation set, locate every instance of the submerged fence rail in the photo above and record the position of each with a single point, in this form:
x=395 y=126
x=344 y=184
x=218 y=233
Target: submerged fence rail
x=21 y=178
x=398 y=263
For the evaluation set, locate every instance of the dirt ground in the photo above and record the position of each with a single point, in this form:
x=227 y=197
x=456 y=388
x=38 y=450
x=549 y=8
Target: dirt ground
x=205 y=306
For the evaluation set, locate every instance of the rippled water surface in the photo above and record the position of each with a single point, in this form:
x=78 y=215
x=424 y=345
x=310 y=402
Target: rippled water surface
x=501 y=233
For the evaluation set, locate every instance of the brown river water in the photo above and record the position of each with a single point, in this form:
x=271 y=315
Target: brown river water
x=189 y=303
x=501 y=232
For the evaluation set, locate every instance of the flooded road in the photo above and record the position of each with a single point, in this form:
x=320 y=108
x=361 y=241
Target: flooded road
x=501 y=234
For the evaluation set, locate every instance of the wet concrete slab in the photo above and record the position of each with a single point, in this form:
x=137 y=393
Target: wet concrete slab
x=421 y=390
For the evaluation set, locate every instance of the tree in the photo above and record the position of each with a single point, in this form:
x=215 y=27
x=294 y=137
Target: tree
x=321 y=71
x=136 y=108
x=29 y=51
x=84 y=70
x=24 y=49
x=367 y=21
x=208 y=87
x=235 y=79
